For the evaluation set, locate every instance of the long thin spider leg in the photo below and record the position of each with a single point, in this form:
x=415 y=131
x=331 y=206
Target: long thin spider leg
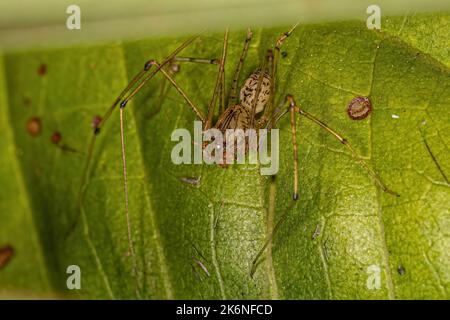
x=222 y=94
x=295 y=147
x=344 y=141
x=218 y=86
x=106 y=116
x=222 y=76
x=269 y=239
x=196 y=60
x=125 y=179
x=166 y=74
x=273 y=72
x=184 y=95
x=277 y=115
x=148 y=65
x=276 y=55
x=221 y=72
x=293 y=108
x=122 y=106
x=233 y=93
x=91 y=145
x=127 y=212
x=173 y=68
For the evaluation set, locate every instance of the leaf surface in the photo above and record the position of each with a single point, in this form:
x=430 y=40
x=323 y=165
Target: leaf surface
x=343 y=231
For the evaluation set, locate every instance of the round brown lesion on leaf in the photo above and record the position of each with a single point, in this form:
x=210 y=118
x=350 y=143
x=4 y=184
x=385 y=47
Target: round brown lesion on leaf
x=359 y=108
x=42 y=69
x=56 y=138
x=6 y=253
x=34 y=126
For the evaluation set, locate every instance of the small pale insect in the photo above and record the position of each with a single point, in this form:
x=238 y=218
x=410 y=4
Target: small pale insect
x=191 y=180
x=359 y=108
x=201 y=265
x=401 y=270
x=316 y=232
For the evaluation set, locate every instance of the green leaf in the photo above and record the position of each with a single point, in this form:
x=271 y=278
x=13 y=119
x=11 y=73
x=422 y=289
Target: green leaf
x=335 y=239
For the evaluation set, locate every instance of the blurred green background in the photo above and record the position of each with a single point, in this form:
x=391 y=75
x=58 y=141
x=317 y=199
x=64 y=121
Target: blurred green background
x=34 y=24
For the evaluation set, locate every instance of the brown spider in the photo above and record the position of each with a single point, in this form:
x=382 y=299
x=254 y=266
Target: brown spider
x=255 y=97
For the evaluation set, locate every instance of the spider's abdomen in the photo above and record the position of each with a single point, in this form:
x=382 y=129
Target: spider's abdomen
x=248 y=91
x=235 y=117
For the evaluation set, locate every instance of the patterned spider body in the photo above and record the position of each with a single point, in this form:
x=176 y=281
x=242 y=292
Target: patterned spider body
x=238 y=116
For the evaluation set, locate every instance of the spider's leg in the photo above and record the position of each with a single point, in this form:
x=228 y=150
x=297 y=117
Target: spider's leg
x=233 y=93
x=138 y=77
x=256 y=261
x=222 y=106
x=273 y=73
x=294 y=108
x=168 y=76
x=172 y=69
x=220 y=83
x=138 y=81
x=196 y=60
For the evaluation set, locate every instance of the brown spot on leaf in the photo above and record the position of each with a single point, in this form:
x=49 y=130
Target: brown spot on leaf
x=6 y=253
x=359 y=108
x=34 y=126
x=42 y=70
x=56 y=137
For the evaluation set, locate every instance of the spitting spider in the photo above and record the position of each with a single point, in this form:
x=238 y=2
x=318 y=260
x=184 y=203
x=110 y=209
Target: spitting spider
x=252 y=107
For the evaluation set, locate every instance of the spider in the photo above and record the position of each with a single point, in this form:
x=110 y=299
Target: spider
x=252 y=107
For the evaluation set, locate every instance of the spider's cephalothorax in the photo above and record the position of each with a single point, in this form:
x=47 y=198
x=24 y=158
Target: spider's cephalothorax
x=238 y=116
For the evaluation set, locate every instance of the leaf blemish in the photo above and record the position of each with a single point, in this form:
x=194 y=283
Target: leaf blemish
x=6 y=253
x=56 y=137
x=42 y=70
x=34 y=126
x=359 y=108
